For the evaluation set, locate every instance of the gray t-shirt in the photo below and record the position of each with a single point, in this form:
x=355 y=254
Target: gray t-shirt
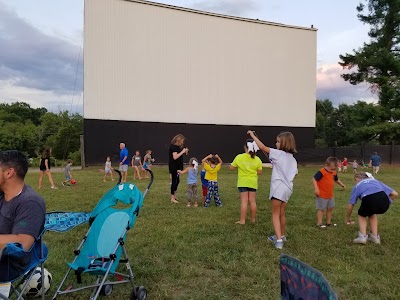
x=66 y=170
x=24 y=214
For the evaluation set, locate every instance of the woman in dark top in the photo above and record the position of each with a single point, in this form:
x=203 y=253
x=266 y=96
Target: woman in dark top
x=44 y=166
x=175 y=162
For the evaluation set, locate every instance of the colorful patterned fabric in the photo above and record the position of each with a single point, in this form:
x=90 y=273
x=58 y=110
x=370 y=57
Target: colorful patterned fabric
x=64 y=221
x=212 y=192
x=300 y=281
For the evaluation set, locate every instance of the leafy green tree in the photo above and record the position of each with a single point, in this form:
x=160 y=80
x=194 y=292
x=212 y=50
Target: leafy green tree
x=378 y=62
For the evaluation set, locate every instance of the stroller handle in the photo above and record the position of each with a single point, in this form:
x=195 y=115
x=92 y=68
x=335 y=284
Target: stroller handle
x=151 y=178
x=119 y=174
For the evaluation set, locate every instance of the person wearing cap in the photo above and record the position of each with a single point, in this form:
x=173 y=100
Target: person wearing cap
x=376 y=198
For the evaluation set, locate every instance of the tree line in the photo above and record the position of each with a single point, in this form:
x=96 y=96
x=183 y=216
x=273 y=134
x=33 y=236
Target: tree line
x=32 y=129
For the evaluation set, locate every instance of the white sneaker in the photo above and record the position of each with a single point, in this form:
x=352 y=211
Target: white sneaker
x=361 y=239
x=376 y=239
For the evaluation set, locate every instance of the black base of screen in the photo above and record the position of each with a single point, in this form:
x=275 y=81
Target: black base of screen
x=102 y=138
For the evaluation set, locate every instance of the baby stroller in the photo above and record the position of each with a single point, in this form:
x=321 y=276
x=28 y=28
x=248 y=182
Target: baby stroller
x=100 y=251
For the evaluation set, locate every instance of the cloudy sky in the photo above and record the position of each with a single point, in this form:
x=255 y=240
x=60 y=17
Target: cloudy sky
x=41 y=45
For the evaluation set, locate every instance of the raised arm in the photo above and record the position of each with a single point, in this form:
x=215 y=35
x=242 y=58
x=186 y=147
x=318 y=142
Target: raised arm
x=258 y=142
x=204 y=160
x=219 y=158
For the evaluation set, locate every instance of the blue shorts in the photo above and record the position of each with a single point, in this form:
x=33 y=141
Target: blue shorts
x=67 y=178
x=145 y=165
x=246 y=189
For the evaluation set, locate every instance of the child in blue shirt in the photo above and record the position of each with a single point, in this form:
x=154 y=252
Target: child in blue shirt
x=376 y=198
x=192 y=171
x=204 y=183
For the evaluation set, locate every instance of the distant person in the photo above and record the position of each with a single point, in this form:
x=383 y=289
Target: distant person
x=376 y=198
x=147 y=163
x=137 y=165
x=375 y=163
x=212 y=164
x=249 y=167
x=175 y=162
x=324 y=181
x=44 y=167
x=22 y=213
x=355 y=166
x=283 y=172
x=67 y=174
x=108 y=169
x=204 y=183
x=123 y=162
x=192 y=170
x=344 y=165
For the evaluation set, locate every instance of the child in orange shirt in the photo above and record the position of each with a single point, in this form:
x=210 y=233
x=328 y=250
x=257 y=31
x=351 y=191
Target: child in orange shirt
x=324 y=181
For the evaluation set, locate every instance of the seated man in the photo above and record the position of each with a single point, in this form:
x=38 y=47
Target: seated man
x=22 y=212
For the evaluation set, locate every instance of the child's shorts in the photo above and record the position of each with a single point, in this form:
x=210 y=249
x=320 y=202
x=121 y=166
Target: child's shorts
x=107 y=171
x=246 y=189
x=373 y=204
x=145 y=165
x=67 y=178
x=204 y=188
x=324 y=204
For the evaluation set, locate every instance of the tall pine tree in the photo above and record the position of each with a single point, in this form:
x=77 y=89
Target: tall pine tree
x=378 y=62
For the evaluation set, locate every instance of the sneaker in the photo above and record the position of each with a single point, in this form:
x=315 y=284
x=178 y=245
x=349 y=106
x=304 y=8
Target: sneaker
x=54 y=187
x=279 y=244
x=63 y=183
x=273 y=239
x=361 y=239
x=376 y=239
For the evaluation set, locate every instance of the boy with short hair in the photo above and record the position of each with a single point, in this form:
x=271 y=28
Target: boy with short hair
x=212 y=164
x=67 y=173
x=324 y=181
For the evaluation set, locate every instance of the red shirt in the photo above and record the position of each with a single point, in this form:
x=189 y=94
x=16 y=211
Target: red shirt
x=345 y=163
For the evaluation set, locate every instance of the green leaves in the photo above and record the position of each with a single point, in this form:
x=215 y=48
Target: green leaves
x=30 y=130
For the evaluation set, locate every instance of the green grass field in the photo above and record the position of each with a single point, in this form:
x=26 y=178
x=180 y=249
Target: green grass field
x=195 y=253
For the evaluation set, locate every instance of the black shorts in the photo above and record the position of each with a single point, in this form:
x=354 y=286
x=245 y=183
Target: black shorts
x=377 y=203
x=246 y=189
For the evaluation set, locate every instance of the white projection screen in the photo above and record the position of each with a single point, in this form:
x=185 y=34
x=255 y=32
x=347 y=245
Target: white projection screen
x=150 y=62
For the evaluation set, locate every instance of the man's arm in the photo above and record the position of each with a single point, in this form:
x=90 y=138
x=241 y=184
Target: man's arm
x=25 y=240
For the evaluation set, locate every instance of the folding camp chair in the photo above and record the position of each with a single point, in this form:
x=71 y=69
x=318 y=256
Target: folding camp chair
x=103 y=246
x=300 y=281
x=39 y=255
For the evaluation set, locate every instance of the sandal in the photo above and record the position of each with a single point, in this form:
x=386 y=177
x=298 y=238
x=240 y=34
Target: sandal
x=350 y=223
x=188 y=205
x=321 y=226
x=196 y=205
x=331 y=225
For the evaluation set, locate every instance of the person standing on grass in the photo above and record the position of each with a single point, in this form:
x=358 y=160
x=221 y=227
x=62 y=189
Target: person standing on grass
x=67 y=173
x=249 y=167
x=193 y=171
x=147 y=163
x=283 y=172
x=376 y=198
x=355 y=166
x=137 y=165
x=44 y=167
x=212 y=164
x=175 y=162
x=324 y=181
x=204 y=183
x=22 y=213
x=375 y=163
x=108 y=169
x=344 y=165
x=123 y=162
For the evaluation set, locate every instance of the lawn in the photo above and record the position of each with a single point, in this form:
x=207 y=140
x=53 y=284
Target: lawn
x=195 y=253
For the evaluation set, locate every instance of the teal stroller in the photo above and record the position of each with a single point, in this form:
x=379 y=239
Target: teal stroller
x=102 y=248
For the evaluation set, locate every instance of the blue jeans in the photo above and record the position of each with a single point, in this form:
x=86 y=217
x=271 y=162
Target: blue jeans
x=212 y=191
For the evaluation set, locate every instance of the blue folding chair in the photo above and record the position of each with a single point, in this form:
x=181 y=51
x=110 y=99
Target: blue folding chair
x=102 y=248
x=38 y=253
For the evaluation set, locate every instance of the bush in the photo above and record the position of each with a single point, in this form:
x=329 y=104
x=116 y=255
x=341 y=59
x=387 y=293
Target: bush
x=76 y=157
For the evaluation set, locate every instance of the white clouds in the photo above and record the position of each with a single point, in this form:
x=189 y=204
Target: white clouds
x=331 y=86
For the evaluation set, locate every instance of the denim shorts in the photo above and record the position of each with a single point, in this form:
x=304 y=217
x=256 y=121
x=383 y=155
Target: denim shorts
x=246 y=189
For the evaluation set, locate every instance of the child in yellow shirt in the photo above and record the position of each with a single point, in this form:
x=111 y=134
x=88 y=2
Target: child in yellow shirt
x=212 y=164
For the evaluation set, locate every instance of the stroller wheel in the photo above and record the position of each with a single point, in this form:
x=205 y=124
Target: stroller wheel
x=141 y=293
x=106 y=290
